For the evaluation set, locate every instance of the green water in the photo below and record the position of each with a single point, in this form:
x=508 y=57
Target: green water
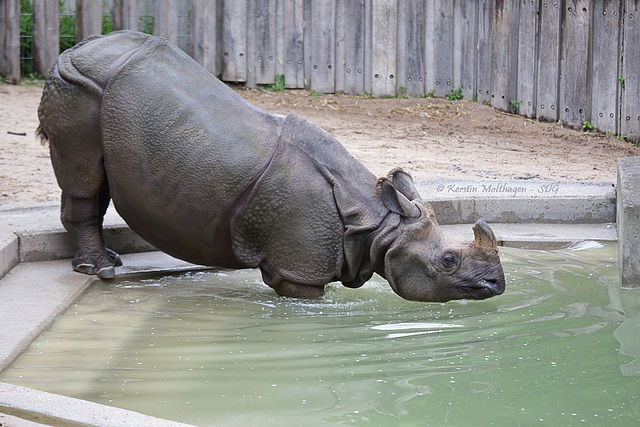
x=557 y=348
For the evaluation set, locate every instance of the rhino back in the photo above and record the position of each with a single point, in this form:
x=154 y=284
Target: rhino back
x=180 y=149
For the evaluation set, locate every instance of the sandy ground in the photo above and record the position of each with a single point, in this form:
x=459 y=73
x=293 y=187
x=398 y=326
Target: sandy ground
x=428 y=137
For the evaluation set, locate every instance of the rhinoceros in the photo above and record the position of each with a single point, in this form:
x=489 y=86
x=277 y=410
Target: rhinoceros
x=205 y=176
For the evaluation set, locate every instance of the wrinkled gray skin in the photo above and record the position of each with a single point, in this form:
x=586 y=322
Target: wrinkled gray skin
x=205 y=176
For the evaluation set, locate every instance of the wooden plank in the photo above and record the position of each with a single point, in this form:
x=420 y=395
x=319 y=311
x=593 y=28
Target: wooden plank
x=203 y=35
x=630 y=121
x=368 y=45
x=251 y=44
x=323 y=46
x=293 y=17
x=443 y=47
x=574 y=88
x=412 y=20
x=548 y=62
x=504 y=54
x=234 y=41
x=46 y=35
x=384 y=44
x=605 y=66
x=165 y=20
x=339 y=43
x=280 y=36
x=483 y=79
x=10 y=40
x=527 y=59
x=88 y=19
x=265 y=26
x=126 y=15
x=465 y=49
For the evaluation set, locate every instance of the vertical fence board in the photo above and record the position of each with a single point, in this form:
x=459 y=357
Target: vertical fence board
x=251 y=44
x=280 y=36
x=165 y=20
x=429 y=50
x=323 y=46
x=265 y=25
x=126 y=15
x=234 y=41
x=10 y=40
x=204 y=35
x=574 y=81
x=464 y=47
x=368 y=45
x=88 y=19
x=293 y=43
x=527 y=60
x=384 y=42
x=483 y=80
x=443 y=46
x=354 y=46
x=605 y=65
x=340 y=39
x=548 y=61
x=412 y=26
x=46 y=35
x=504 y=54
x=630 y=123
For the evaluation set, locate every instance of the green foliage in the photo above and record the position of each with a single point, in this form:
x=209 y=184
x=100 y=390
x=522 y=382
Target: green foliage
x=278 y=85
x=588 y=127
x=431 y=94
x=365 y=95
x=147 y=23
x=621 y=80
x=454 y=94
x=107 y=24
x=401 y=93
x=515 y=104
x=26 y=29
x=67 y=28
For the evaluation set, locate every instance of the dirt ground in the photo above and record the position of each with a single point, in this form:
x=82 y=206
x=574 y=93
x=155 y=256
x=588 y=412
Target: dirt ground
x=428 y=137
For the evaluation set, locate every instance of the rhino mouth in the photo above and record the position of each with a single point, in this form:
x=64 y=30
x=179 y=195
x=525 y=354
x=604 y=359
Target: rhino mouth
x=485 y=288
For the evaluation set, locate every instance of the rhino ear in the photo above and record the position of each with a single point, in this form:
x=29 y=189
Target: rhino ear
x=395 y=201
x=403 y=182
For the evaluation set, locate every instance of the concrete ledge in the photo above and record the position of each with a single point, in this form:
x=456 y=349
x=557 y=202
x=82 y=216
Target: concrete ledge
x=456 y=202
x=628 y=221
x=71 y=410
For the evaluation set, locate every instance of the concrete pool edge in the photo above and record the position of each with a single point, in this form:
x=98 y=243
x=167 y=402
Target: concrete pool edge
x=34 y=245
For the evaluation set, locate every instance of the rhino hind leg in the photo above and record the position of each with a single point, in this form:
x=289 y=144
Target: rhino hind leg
x=285 y=288
x=69 y=120
x=84 y=222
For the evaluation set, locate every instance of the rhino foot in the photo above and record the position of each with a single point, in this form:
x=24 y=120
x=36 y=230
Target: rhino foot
x=296 y=290
x=85 y=264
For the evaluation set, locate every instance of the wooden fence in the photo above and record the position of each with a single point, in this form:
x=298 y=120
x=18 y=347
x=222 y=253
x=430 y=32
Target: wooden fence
x=572 y=61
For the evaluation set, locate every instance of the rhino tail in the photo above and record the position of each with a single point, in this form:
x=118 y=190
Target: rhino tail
x=42 y=135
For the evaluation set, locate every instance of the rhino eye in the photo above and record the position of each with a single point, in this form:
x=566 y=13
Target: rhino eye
x=449 y=261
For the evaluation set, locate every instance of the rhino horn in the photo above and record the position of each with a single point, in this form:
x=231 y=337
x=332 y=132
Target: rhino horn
x=484 y=236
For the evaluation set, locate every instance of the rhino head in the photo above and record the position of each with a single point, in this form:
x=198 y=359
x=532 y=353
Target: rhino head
x=422 y=263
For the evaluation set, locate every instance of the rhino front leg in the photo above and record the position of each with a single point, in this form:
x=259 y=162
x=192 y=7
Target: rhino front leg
x=285 y=288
